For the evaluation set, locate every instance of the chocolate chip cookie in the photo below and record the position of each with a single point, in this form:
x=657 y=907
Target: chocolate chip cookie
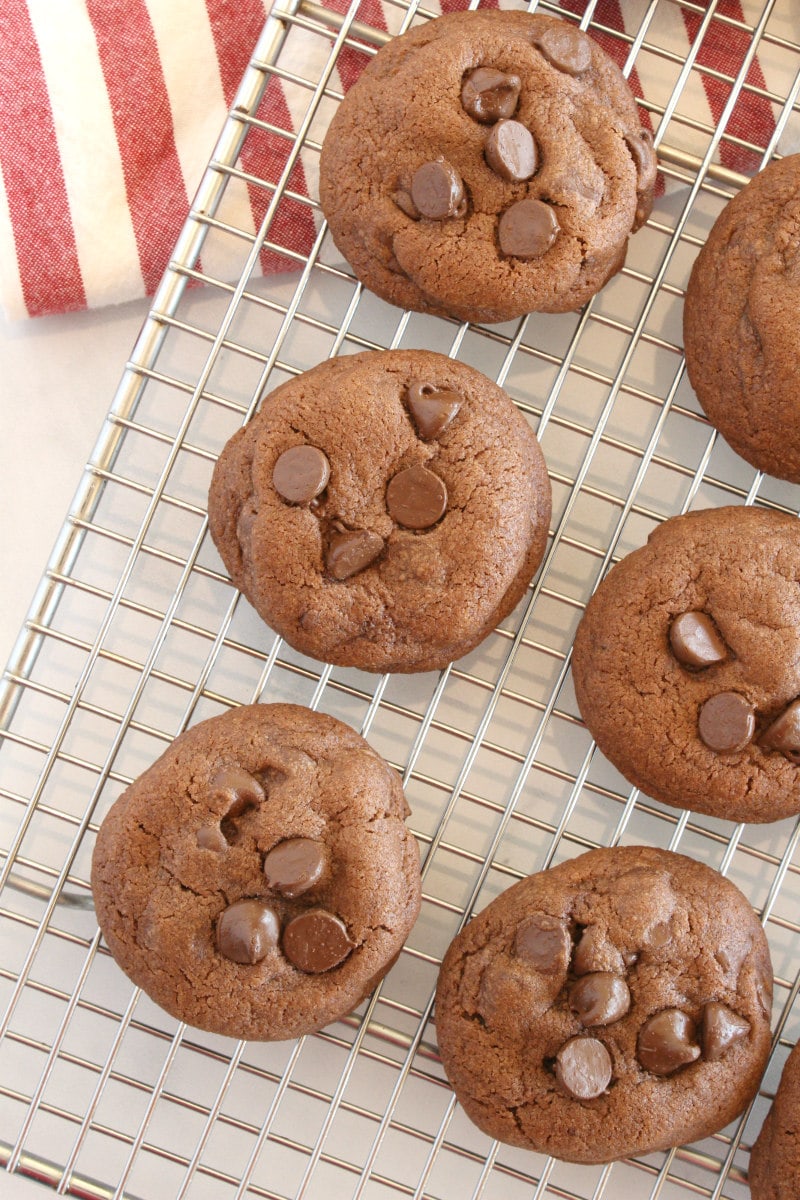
x=740 y=321
x=687 y=664
x=258 y=880
x=485 y=165
x=384 y=510
x=614 y=1005
x=775 y=1158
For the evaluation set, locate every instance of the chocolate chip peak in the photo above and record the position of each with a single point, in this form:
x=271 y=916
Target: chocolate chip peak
x=437 y=191
x=431 y=410
x=566 y=48
x=294 y=866
x=600 y=998
x=242 y=789
x=246 y=931
x=584 y=1068
x=487 y=94
x=543 y=942
x=316 y=941
x=527 y=229
x=416 y=498
x=784 y=733
x=722 y=1028
x=695 y=641
x=594 y=952
x=351 y=551
x=667 y=1041
x=511 y=151
x=727 y=722
x=300 y=474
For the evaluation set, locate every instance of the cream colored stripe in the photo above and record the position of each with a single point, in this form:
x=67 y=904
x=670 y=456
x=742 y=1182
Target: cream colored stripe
x=90 y=158
x=11 y=295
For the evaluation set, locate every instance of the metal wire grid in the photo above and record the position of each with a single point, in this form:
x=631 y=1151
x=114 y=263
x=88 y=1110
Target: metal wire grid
x=136 y=632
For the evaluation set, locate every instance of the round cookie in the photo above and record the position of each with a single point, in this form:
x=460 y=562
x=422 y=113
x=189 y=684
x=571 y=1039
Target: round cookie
x=409 y=520
x=485 y=165
x=687 y=664
x=774 y=1172
x=258 y=880
x=614 y=1005
x=740 y=321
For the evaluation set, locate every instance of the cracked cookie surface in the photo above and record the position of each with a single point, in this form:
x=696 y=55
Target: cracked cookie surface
x=774 y=1172
x=416 y=536
x=740 y=321
x=258 y=880
x=485 y=165
x=613 y=1005
x=686 y=664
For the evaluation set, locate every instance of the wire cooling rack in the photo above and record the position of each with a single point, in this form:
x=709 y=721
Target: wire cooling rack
x=136 y=632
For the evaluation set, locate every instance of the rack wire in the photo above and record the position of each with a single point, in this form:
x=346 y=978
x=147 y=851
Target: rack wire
x=136 y=632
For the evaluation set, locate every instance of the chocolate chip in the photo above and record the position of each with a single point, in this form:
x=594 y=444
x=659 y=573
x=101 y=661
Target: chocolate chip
x=644 y=159
x=583 y=1068
x=566 y=48
x=351 y=551
x=316 y=941
x=294 y=866
x=543 y=942
x=300 y=474
x=511 y=151
x=211 y=837
x=527 y=229
x=416 y=498
x=431 y=410
x=722 y=1028
x=667 y=1042
x=247 y=931
x=784 y=733
x=437 y=190
x=487 y=94
x=594 y=952
x=658 y=936
x=727 y=722
x=695 y=641
x=600 y=998
x=242 y=789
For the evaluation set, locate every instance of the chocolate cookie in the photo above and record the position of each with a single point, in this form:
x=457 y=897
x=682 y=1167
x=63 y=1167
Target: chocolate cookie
x=384 y=510
x=740 y=321
x=614 y=1005
x=687 y=664
x=775 y=1158
x=485 y=165
x=258 y=880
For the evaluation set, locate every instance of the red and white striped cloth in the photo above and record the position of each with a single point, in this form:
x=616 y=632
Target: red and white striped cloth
x=109 y=110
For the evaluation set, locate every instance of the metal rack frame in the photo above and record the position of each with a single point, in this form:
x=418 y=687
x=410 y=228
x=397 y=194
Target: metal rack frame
x=136 y=632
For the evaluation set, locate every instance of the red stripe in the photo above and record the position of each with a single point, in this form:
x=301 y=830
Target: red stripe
x=47 y=255
x=143 y=122
x=351 y=62
x=236 y=25
x=724 y=49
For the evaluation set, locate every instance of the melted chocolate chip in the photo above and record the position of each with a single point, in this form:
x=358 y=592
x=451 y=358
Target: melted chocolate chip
x=300 y=474
x=722 y=1028
x=351 y=551
x=543 y=942
x=784 y=733
x=511 y=151
x=416 y=498
x=727 y=722
x=316 y=941
x=566 y=48
x=644 y=158
x=600 y=998
x=431 y=410
x=527 y=229
x=247 y=931
x=211 y=837
x=437 y=191
x=294 y=866
x=667 y=1042
x=584 y=1068
x=695 y=642
x=242 y=788
x=487 y=94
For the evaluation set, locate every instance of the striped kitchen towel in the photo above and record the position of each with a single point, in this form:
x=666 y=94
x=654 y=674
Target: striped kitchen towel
x=109 y=110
